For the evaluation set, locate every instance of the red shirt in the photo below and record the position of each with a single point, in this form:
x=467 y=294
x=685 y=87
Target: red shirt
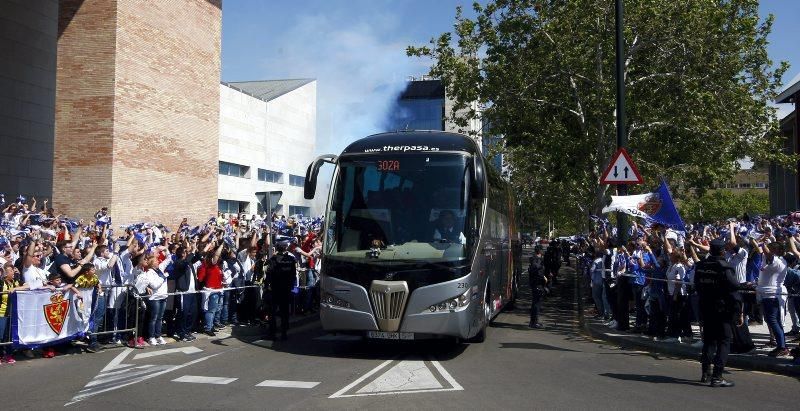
x=210 y=274
x=307 y=246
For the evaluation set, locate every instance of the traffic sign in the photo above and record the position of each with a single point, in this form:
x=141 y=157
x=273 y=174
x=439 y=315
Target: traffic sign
x=621 y=170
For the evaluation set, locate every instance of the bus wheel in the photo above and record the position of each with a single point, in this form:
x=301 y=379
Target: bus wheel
x=487 y=317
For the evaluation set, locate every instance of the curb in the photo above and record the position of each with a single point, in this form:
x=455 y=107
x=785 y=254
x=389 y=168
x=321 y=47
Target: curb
x=743 y=361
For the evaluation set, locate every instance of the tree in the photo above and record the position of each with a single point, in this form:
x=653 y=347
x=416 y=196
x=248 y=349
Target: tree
x=723 y=204
x=698 y=77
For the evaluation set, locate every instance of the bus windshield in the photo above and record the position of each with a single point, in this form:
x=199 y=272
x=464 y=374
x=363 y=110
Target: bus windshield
x=393 y=206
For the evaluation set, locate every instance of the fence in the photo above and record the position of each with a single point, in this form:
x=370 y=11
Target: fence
x=123 y=316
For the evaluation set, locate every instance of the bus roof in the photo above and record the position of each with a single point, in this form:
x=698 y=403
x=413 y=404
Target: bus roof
x=414 y=141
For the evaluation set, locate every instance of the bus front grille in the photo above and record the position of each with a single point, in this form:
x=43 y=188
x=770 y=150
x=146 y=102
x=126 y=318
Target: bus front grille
x=389 y=301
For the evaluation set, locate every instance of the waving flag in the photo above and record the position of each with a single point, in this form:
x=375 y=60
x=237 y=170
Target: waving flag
x=655 y=207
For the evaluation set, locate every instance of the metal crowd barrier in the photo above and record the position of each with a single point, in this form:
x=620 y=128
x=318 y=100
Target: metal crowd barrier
x=689 y=283
x=119 y=310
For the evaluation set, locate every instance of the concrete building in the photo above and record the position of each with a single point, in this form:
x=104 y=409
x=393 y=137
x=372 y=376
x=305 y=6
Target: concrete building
x=110 y=103
x=744 y=180
x=267 y=140
x=784 y=185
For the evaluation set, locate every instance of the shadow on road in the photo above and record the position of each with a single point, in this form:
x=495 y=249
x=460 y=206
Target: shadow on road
x=534 y=346
x=653 y=379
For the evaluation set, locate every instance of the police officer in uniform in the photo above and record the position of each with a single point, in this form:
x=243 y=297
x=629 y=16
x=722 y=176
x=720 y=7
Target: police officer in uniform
x=538 y=281
x=720 y=306
x=281 y=273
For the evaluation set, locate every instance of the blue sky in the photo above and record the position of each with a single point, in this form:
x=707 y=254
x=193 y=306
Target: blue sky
x=356 y=51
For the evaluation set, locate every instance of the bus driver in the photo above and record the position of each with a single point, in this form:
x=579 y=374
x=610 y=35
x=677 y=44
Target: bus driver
x=445 y=229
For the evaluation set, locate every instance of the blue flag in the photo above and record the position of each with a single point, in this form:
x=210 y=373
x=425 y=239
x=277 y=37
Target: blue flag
x=667 y=214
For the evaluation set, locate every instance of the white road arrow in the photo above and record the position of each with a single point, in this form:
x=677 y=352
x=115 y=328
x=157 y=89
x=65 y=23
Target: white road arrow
x=186 y=350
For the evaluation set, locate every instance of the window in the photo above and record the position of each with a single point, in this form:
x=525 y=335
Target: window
x=297 y=181
x=235 y=170
x=744 y=185
x=270 y=176
x=761 y=185
x=304 y=211
x=232 y=206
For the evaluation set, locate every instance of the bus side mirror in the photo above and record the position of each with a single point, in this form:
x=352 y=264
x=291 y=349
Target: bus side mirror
x=478 y=186
x=310 y=186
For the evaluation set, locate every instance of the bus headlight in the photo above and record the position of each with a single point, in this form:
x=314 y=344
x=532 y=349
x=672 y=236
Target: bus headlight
x=452 y=304
x=335 y=301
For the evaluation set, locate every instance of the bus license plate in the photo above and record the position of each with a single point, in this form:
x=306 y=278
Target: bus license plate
x=383 y=335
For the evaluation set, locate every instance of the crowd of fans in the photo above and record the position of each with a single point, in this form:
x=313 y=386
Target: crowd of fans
x=646 y=285
x=151 y=279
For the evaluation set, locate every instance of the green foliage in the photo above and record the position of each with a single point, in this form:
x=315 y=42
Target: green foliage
x=698 y=77
x=722 y=204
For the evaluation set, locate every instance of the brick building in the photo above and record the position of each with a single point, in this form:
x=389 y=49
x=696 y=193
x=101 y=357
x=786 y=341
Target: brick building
x=112 y=102
x=137 y=108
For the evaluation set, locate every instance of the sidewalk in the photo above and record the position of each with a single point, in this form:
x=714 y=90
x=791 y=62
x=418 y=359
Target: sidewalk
x=78 y=347
x=756 y=360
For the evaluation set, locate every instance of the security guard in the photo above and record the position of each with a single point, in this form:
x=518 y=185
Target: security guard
x=720 y=306
x=282 y=273
x=538 y=281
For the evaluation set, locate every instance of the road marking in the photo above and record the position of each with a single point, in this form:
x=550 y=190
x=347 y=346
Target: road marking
x=338 y=394
x=117 y=361
x=186 y=350
x=109 y=381
x=405 y=377
x=287 y=384
x=447 y=376
x=197 y=379
x=339 y=337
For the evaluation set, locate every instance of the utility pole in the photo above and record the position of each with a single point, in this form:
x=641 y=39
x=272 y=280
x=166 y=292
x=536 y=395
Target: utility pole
x=622 y=138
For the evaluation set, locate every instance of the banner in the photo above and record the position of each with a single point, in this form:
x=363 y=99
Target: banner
x=40 y=318
x=656 y=207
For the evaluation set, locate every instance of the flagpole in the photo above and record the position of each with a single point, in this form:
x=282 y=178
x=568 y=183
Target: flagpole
x=622 y=189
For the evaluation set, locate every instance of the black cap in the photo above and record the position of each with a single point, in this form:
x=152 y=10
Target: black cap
x=717 y=246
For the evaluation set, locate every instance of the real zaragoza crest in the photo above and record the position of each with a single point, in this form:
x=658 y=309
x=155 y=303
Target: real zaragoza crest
x=56 y=312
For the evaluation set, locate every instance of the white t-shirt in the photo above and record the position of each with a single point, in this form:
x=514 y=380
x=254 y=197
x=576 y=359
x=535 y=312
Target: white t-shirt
x=35 y=277
x=157 y=283
x=739 y=262
x=247 y=264
x=676 y=273
x=770 y=281
x=104 y=273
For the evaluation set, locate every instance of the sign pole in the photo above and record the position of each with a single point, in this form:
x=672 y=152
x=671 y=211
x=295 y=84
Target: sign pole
x=622 y=189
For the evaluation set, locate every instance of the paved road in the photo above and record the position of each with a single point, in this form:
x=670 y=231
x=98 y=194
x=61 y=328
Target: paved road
x=516 y=368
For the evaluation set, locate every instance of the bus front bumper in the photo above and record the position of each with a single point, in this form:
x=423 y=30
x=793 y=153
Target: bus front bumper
x=417 y=318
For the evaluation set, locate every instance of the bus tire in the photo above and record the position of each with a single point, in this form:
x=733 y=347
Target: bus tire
x=487 y=317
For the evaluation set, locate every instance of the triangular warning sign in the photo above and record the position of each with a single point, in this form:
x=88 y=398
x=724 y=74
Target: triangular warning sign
x=621 y=170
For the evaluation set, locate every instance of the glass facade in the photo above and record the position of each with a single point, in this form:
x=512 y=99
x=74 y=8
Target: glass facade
x=417 y=114
x=231 y=169
x=270 y=176
x=232 y=206
x=304 y=211
x=297 y=181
